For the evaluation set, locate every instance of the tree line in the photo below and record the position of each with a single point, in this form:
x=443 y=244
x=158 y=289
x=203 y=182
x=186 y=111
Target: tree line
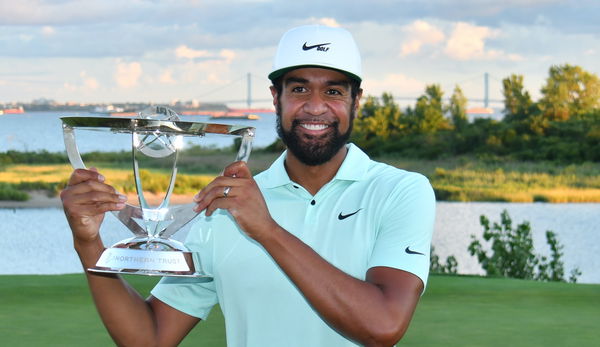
x=563 y=125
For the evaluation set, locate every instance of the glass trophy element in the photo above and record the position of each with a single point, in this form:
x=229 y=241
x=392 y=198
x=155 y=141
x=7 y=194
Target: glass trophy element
x=157 y=139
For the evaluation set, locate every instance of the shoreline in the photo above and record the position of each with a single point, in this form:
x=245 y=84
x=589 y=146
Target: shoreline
x=40 y=199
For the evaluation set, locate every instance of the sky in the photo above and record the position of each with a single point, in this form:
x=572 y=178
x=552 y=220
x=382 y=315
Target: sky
x=109 y=51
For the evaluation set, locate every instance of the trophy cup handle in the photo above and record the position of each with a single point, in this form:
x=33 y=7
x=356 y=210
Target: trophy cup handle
x=125 y=215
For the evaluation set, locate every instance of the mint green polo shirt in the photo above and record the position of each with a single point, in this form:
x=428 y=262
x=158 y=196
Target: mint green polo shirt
x=370 y=214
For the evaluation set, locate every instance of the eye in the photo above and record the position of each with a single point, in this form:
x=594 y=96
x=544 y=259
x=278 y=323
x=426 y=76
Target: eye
x=334 y=92
x=298 y=89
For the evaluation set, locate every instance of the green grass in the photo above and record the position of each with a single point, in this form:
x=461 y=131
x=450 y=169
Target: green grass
x=472 y=179
x=454 y=179
x=455 y=311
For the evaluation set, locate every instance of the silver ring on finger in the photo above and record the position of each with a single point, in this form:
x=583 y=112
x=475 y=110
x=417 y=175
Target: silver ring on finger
x=226 y=191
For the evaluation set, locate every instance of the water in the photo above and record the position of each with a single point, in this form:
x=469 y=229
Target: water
x=38 y=241
x=35 y=131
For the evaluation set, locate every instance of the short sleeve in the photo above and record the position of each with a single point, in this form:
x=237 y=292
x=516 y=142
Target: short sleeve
x=193 y=296
x=404 y=237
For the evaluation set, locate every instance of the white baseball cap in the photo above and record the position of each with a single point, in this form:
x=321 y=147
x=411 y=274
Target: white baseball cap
x=318 y=46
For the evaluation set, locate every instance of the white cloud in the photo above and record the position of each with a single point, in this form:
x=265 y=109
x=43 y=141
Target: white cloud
x=90 y=83
x=467 y=42
x=397 y=84
x=184 y=51
x=86 y=84
x=228 y=55
x=128 y=74
x=48 y=31
x=420 y=33
x=331 y=22
x=166 y=77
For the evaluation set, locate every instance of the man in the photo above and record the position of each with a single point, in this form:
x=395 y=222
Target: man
x=325 y=248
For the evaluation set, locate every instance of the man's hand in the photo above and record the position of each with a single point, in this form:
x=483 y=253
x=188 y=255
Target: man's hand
x=85 y=200
x=244 y=201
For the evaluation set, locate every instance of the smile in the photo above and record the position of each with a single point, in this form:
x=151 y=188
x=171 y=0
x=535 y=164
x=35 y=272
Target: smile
x=313 y=126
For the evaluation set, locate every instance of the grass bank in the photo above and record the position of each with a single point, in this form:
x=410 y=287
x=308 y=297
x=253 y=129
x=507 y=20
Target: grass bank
x=455 y=311
x=470 y=179
x=454 y=179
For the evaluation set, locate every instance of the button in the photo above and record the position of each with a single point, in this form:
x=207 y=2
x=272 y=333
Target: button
x=313 y=202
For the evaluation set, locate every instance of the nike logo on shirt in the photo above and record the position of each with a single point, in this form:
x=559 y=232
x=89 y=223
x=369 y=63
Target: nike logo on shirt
x=342 y=216
x=410 y=251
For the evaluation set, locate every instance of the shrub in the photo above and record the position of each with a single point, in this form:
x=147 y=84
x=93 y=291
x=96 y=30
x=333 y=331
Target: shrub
x=512 y=253
x=9 y=192
x=436 y=267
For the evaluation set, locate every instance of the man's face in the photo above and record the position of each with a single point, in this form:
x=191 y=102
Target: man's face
x=314 y=113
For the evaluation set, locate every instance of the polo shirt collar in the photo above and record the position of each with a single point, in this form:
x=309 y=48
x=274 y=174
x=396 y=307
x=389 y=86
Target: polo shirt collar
x=354 y=168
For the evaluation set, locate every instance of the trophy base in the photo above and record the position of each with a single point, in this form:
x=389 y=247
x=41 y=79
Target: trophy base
x=149 y=257
x=99 y=269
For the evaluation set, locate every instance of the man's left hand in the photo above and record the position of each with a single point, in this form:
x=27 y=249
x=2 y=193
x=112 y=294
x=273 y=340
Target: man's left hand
x=237 y=192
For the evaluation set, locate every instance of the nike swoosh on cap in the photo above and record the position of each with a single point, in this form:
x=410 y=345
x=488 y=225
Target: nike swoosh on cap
x=342 y=216
x=306 y=48
x=409 y=251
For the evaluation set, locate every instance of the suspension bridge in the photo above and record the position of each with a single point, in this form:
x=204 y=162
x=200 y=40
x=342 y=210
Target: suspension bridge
x=482 y=83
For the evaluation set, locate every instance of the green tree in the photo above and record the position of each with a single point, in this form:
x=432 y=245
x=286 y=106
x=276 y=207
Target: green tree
x=458 y=109
x=428 y=115
x=378 y=120
x=517 y=101
x=569 y=91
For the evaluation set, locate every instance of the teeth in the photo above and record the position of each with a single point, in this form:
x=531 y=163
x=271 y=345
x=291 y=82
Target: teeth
x=314 y=126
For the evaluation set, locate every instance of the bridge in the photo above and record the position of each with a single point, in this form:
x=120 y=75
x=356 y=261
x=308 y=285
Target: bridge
x=249 y=101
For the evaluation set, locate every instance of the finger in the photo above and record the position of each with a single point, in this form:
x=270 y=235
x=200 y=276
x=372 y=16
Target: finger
x=82 y=175
x=216 y=192
x=91 y=210
x=219 y=182
x=86 y=187
x=221 y=203
x=237 y=169
x=97 y=197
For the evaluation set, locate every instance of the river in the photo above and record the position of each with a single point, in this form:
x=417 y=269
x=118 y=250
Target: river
x=37 y=241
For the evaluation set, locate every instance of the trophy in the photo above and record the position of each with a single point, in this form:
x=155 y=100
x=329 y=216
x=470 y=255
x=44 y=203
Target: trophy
x=157 y=139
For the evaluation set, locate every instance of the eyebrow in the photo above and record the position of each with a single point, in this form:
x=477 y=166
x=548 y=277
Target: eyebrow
x=344 y=83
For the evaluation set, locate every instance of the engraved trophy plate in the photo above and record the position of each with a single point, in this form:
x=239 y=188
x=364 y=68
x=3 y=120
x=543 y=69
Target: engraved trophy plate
x=157 y=138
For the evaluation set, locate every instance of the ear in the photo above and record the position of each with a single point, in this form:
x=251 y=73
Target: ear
x=358 y=97
x=274 y=95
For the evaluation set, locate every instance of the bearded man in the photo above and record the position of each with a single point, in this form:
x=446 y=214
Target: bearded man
x=324 y=248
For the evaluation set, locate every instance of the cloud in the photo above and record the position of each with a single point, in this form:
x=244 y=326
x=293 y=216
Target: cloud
x=90 y=83
x=86 y=84
x=467 y=41
x=420 y=33
x=397 y=84
x=331 y=22
x=128 y=74
x=184 y=51
x=48 y=31
x=228 y=55
x=166 y=77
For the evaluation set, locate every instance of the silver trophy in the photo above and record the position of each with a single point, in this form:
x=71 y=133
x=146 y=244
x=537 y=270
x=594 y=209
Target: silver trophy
x=158 y=138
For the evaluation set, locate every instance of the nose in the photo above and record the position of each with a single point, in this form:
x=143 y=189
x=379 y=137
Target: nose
x=315 y=105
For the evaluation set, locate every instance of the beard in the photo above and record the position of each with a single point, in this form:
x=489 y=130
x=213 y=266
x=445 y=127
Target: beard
x=313 y=150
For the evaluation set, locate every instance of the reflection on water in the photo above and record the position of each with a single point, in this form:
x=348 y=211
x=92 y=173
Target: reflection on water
x=35 y=131
x=38 y=241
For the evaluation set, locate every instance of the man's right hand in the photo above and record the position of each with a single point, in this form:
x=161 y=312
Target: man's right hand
x=85 y=200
